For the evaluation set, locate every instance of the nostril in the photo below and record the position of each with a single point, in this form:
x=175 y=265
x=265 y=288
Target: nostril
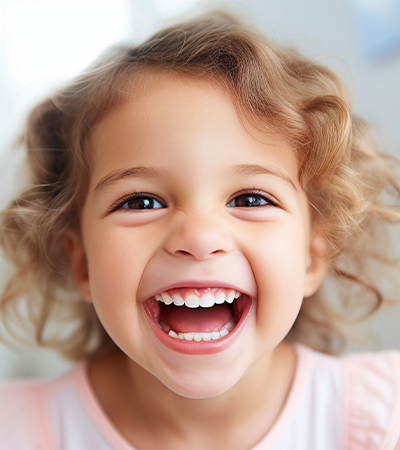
x=183 y=252
x=197 y=254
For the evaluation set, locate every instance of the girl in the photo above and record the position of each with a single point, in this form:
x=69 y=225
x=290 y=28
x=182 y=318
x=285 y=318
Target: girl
x=187 y=198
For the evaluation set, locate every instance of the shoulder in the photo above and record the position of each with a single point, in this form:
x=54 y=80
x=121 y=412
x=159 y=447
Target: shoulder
x=23 y=421
x=27 y=412
x=357 y=393
x=372 y=399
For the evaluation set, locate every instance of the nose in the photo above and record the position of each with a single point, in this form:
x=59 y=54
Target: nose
x=199 y=237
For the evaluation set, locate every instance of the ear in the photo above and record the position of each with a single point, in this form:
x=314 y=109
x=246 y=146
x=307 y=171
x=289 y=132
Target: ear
x=79 y=264
x=318 y=265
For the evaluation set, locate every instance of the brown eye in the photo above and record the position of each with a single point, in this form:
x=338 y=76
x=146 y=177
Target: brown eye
x=142 y=203
x=249 y=200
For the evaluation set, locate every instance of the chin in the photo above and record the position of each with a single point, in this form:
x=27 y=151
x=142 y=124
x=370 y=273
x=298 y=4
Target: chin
x=207 y=376
x=202 y=387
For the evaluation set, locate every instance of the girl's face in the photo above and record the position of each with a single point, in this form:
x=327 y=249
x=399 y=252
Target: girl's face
x=186 y=201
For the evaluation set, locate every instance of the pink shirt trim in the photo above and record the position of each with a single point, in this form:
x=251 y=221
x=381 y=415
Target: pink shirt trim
x=103 y=424
x=362 y=392
x=303 y=361
x=114 y=438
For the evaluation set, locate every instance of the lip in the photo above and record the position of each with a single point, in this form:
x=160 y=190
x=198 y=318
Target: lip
x=202 y=347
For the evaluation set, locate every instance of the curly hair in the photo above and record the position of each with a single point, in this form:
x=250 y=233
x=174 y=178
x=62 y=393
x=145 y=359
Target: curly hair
x=271 y=85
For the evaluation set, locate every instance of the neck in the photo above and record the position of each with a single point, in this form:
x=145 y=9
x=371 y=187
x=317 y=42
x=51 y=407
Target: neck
x=137 y=403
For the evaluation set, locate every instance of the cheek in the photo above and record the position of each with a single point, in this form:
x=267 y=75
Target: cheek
x=116 y=261
x=279 y=267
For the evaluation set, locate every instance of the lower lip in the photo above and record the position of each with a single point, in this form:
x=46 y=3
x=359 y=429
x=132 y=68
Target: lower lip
x=202 y=347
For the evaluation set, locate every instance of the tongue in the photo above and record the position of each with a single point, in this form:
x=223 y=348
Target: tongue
x=202 y=320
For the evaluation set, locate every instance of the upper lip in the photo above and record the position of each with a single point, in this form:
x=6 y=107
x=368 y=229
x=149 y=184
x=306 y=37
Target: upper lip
x=197 y=284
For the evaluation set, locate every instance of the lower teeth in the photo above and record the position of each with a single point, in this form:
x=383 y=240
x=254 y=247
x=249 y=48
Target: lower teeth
x=195 y=336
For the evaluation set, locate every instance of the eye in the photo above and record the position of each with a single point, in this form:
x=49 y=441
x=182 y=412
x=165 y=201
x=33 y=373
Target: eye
x=249 y=200
x=142 y=203
x=138 y=202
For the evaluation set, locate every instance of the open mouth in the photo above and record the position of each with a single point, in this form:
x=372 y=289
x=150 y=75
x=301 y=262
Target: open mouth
x=202 y=316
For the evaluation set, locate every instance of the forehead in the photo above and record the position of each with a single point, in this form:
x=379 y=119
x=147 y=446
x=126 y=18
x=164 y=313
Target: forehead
x=178 y=120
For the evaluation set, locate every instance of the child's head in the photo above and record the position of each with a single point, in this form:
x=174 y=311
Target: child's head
x=252 y=172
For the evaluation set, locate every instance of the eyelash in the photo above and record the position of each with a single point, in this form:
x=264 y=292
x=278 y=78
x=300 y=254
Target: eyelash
x=256 y=193
x=133 y=195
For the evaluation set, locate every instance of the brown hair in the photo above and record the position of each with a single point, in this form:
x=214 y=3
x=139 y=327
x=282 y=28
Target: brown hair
x=303 y=101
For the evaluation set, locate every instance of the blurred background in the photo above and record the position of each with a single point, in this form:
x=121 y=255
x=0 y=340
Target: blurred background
x=43 y=43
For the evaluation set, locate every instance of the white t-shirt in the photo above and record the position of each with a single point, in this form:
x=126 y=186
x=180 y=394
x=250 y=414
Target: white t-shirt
x=351 y=402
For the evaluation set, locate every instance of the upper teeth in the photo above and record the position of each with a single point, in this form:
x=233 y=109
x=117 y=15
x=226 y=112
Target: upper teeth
x=205 y=300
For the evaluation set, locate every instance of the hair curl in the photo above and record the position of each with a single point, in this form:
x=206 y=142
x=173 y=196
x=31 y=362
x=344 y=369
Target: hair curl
x=305 y=102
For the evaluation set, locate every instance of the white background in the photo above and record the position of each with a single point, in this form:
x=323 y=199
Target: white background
x=43 y=43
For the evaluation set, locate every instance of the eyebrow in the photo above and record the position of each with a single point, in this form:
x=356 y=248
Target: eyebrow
x=120 y=174
x=150 y=172
x=256 y=169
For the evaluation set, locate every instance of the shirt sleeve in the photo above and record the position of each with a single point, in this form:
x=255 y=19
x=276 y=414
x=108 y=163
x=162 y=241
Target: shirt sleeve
x=372 y=400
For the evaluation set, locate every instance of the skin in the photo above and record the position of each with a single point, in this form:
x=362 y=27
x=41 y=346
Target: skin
x=189 y=132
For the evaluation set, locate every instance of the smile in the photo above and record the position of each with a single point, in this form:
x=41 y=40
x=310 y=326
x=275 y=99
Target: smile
x=197 y=320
